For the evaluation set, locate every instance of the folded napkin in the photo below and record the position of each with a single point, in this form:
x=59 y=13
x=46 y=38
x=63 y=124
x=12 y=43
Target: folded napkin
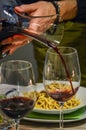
x=73 y=115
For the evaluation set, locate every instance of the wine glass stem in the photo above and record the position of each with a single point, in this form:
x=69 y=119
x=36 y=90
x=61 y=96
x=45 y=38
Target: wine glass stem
x=17 y=124
x=61 y=116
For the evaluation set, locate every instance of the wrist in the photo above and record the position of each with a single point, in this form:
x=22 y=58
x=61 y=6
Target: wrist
x=68 y=9
x=57 y=9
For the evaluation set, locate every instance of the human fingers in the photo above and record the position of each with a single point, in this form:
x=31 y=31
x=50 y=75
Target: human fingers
x=15 y=45
x=14 y=48
x=16 y=39
x=25 y=8
x=10 y=49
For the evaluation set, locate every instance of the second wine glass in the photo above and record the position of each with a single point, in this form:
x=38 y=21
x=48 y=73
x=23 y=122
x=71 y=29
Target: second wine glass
x=17 y=96
x=62 y=75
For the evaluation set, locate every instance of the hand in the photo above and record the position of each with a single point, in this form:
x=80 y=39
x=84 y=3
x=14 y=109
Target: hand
x=41 y=8
x=68 y=11
x=14 y=42
x=37 y=25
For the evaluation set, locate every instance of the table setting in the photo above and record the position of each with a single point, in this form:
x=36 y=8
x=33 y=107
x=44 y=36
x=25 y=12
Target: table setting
x=74 y=114
x=36 y=116
x=63 y=105
x=20 y=95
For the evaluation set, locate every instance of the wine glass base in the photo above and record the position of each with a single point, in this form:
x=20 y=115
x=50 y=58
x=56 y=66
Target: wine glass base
x=5 y=123
x=6 y=126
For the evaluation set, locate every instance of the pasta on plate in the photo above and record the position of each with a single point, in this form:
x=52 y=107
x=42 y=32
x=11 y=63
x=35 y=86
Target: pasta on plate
x=44 y=104
x=47 y=103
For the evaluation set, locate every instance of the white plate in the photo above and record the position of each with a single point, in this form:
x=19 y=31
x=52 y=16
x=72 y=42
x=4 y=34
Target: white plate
x=57 y=121
x=81 y=94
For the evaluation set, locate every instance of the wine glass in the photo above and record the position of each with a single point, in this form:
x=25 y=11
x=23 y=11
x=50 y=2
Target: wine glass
x=61 y=76
x=17 y=95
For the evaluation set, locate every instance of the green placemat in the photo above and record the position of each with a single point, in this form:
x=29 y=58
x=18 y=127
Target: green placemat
x=74 y=115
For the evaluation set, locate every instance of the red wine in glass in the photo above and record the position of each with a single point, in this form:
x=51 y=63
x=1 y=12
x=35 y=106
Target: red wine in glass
x=16 y=107
x=17 y=97
x=61 y=75
x=62 y=96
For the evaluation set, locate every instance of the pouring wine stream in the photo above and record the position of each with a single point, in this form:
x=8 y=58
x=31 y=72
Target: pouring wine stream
x=48 y=43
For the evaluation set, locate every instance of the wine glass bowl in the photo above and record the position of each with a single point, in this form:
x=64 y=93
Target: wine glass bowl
x=62 y=75
x=17 y=89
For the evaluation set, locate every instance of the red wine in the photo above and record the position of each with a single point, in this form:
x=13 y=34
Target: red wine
x=16 y=107
x=62 y=96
